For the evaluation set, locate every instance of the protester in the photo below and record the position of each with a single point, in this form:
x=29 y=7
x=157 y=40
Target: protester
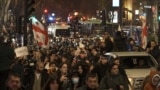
x=14 y=82
x=52 y=84
x=122 y=71
x=108 y=42
x=131 y=45
x=36 y=78
x=154 y=50
x=53 y=68
x=82 y=71
x=75 y=80
x=113 y=80
x=120 y=41
x=147 y=78
x=101 y=68
x=93 y=56
x=63 y=76
x=153 y=83
x=91 y=82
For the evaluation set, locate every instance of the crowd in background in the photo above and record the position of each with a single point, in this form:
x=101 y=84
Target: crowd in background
x=69 y=64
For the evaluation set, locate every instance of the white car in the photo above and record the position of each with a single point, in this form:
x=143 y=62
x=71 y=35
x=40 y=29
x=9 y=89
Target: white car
x=136 y=64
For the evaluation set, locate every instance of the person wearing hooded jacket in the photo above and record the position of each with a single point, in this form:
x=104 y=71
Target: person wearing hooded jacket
x=154 y=80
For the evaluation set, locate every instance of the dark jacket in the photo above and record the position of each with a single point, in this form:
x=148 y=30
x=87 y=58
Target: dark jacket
x=100 y=69
x=155 y=52
x=109 y=45
x=6 y=56
x=120 y=42
x=22 y=88
x=68 y=85
x=82 y=88
x=110 y=81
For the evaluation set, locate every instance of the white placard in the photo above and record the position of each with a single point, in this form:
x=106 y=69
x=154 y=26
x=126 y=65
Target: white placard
x=21 y=51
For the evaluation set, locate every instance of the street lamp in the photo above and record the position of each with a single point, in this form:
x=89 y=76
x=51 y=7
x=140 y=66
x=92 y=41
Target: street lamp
x=75 y=13
x=136 y=12
x=45 y=11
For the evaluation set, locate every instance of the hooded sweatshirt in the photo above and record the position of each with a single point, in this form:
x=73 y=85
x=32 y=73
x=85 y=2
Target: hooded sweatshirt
x=152 y=85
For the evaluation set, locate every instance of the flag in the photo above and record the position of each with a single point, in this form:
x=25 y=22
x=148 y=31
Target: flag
x=144 y=35
x=40 y=33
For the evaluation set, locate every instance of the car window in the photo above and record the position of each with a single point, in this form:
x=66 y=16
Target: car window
x=137 y=62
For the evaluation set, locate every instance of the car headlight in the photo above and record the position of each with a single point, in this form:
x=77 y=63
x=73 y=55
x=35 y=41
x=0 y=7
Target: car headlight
x=131 y=80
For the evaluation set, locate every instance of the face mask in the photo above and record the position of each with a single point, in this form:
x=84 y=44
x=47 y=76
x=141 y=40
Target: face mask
x=75 y=80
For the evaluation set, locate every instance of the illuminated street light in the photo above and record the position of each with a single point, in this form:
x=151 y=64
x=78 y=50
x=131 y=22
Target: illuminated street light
x=53 y=14
x=45 y=11
x=136 y=12
x=75 y=13
x=50 y=18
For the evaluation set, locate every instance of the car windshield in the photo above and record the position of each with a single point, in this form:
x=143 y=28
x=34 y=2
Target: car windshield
x=138 y=62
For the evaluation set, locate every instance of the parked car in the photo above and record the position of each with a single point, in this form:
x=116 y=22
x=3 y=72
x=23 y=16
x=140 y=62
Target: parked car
x=136 y=64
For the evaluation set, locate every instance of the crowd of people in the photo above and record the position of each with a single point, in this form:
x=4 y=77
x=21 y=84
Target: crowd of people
x=69 y=64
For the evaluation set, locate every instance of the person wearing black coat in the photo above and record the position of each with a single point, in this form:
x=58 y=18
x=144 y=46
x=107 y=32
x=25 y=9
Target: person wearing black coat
x=101 y=67
x=108 y=43
x=154 y=50
x=120 y=41
x=6 y=58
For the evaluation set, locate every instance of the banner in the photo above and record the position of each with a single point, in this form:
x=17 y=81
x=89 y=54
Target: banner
x=21 y=51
